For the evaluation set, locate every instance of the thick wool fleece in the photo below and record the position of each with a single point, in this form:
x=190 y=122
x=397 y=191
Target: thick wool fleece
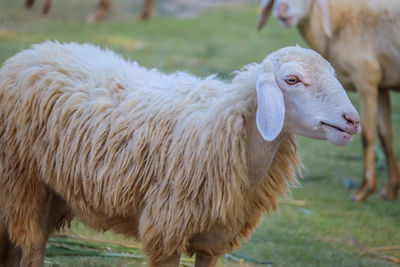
x=155 y=156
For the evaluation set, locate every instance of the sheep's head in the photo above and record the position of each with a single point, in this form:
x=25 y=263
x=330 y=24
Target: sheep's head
x=291 y=12
x=297 y=92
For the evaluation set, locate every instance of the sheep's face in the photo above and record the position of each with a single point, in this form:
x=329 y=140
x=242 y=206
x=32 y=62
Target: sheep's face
x=299 y=90
x=290 y=12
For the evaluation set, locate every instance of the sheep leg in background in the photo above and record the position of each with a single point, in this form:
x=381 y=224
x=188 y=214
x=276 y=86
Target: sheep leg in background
x=386 y=137
x=10 y=255
x=204 y=260
x=29 y=3
x=147 y=8
x=46 y=7
x=367 y=87
x=171 y=261
x=102 y=9
x=59 y=214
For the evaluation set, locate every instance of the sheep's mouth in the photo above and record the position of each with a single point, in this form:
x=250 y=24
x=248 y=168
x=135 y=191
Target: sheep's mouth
x=287 y=20
x=335 y=128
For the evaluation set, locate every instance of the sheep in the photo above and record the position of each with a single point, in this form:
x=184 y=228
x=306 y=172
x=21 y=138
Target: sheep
x=184 y=164
x=361 y=39
x=103 y=8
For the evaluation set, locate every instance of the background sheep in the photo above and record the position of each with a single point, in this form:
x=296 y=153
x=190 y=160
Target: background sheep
x=103 y=8
x=361 y=39
x=182 y=163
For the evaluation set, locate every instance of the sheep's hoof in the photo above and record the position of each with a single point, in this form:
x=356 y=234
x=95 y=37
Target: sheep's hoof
x=362 y=194
x=390 y=192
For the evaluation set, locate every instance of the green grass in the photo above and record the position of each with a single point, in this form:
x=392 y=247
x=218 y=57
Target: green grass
x=220 y=41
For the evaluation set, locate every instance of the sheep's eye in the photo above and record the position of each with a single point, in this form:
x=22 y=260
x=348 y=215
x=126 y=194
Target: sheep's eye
x=292 y=80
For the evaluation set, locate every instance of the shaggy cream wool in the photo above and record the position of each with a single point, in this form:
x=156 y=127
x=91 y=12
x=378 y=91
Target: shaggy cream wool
x=155 y=156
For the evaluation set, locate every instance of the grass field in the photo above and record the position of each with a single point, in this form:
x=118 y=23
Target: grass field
x=316 y=230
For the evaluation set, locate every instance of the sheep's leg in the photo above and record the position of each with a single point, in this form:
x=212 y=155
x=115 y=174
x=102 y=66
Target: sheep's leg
x=53 y=215
x=367 y=87
x=3 y=241
x=29 y=3
x=12 y=255
x=385 y=135
x=102 y=9
x=171 y=261
x=204 y=260
x=32 y=244
x=147 y=8
x=33 y=251
x=28 y=224
x=46 y=7
x=33 y=256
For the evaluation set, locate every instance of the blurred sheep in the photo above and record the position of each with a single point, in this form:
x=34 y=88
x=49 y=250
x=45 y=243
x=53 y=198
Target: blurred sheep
x=102 y=9
x=182 y=163
x=361 y=38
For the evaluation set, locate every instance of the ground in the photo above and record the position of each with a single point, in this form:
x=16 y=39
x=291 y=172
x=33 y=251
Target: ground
x=315 y=228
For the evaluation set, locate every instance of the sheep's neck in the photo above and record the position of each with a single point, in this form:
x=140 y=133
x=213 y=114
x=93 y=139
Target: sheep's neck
x=260 y=153
x=312 y=31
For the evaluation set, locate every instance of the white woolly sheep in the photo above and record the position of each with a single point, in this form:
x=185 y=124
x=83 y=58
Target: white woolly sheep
x=361 y=39
x=184 y=164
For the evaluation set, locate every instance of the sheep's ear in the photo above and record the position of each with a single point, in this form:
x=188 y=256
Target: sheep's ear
x=325 y=18
x=270 y=106
x=266 y=7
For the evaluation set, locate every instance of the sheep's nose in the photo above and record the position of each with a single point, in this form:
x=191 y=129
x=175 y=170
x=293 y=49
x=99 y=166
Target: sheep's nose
x=354 y=120
x=282 y=10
